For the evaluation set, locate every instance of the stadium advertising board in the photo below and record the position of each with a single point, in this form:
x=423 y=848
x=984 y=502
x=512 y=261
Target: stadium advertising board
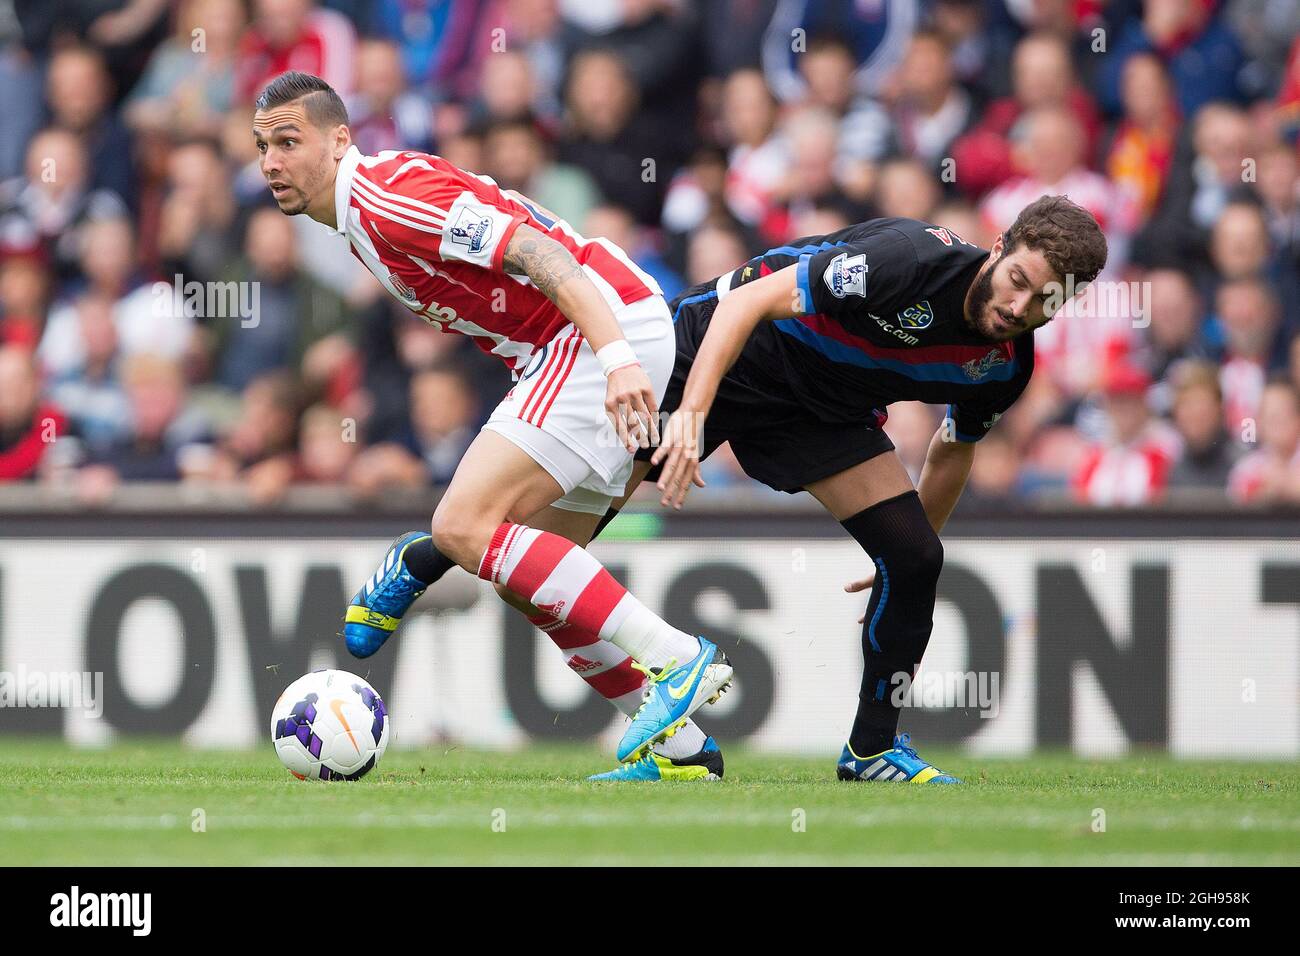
x=1097 y=645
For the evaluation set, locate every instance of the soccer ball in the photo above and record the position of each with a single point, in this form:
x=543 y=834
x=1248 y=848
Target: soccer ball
x=329 y=725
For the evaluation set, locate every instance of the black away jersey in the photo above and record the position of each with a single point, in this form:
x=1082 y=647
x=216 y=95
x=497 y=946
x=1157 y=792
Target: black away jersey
x=879 y=320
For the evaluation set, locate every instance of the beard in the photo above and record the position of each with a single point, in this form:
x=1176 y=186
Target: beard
x=981 y=293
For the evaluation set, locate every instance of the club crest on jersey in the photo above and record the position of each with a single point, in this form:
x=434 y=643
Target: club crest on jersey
x=471 y=230
x=847 y=275
x=976 y=369
x=404 y=290
x=917 y=316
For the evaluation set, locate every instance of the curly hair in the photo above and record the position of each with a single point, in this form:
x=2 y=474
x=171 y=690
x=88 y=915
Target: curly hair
x=1064 y=232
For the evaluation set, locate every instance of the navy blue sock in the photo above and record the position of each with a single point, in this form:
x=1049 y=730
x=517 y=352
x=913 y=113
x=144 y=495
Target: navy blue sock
x=900 y=615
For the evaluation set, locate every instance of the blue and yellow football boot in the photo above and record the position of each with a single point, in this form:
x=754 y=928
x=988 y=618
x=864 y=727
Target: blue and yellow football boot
x=705 y=765
x=672 y=694
x=377 y=609
x=899 y=765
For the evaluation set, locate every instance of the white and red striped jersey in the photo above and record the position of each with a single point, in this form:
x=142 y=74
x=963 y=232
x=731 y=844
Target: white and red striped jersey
x=435 y=236
x=1134 y=474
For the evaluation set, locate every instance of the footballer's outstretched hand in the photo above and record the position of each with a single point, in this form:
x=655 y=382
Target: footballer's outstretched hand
x=855 y=586
x=630 y=404
x=679 y=451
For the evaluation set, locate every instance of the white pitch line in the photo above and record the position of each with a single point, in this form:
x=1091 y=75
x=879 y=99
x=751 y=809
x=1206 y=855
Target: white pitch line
x=1120 y=821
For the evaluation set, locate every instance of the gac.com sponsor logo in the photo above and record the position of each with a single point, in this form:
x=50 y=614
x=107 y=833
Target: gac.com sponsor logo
x=74 y=908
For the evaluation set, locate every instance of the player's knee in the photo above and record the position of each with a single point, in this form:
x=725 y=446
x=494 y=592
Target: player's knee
x=918 y=553
x=897 y=534
x=927 y=557
x=913 y=563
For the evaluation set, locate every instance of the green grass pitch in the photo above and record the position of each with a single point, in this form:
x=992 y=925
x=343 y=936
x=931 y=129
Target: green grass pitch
x=141 y=803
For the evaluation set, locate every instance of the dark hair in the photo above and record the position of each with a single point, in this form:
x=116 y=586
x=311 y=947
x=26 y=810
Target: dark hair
x=934 y=36
x=525 y=122
x=324 y=107
x=454 y=370
x=1064 y=232
x=828 y=43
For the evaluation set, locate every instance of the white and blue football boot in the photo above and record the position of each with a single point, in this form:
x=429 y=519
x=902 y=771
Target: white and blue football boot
x=377 y=609
x=705 y=765
x=672 y=694
x=898 y=765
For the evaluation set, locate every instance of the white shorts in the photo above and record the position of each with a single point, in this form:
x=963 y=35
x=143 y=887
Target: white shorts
x=556 y=411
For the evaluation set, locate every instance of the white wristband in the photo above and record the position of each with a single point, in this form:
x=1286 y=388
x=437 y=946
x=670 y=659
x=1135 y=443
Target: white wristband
x=617 y=354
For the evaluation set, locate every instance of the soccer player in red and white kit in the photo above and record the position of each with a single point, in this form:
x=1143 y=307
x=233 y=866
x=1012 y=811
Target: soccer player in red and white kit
x=590 y=340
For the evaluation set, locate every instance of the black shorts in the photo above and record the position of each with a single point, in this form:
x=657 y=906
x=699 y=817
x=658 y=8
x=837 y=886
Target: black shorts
x=776 y=440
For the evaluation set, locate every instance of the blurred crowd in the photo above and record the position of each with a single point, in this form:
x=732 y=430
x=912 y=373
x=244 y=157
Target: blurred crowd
x=694 y=135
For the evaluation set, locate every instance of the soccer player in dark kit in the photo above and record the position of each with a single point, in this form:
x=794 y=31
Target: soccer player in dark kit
x=794 y=358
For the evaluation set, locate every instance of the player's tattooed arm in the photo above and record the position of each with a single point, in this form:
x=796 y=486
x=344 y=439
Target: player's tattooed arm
x=543 y=260
x=629 y=398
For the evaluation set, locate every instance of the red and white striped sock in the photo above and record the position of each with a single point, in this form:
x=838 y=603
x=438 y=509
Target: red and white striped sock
x=609 y=672
x=558 y=577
